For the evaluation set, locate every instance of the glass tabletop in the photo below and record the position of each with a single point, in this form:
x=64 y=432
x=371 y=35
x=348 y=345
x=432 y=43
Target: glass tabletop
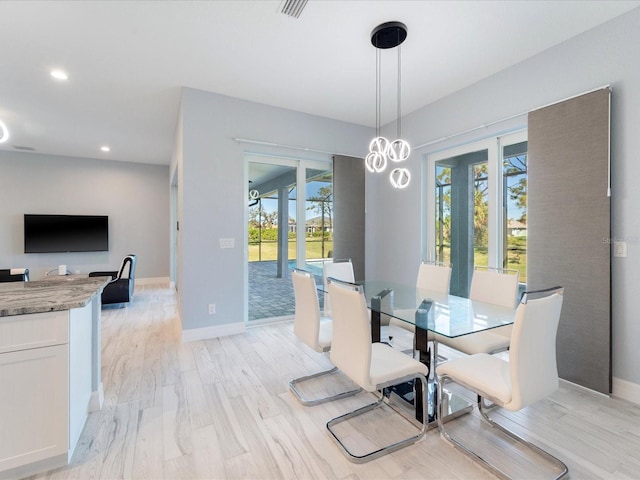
x=447 y=315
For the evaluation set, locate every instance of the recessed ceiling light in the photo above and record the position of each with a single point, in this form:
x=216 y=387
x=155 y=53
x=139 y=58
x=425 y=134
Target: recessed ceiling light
x=4 y=132
x=105 y=149
x=59 y=74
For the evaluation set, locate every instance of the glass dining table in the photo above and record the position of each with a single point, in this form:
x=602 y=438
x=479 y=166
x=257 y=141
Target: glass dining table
x=430 y=312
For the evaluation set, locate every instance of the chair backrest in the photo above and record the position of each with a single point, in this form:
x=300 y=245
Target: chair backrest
x=351 y=341
x=340 y=270
x=432 y=276
x=495 y=286
x=532 y=356
x=306 y=322
x=128 y=267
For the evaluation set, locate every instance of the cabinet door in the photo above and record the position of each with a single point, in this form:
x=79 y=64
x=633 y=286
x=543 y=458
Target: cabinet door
x=35 y=330
x=34 y=396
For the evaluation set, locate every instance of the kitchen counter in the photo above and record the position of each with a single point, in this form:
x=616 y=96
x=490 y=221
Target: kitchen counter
x=50 y=366
x=49 y=295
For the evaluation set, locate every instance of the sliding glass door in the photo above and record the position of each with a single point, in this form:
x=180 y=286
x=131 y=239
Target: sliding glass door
x=283 y=232
x=478 y=216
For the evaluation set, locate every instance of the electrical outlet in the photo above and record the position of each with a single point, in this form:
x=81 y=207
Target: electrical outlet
x=212 y=308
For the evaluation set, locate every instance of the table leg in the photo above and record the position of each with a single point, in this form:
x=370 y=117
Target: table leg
x=375 y=326
x=421 y=344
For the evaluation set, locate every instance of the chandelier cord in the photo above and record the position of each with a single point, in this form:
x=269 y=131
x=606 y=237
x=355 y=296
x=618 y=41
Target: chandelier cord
x=399 y=90
x=378 y=88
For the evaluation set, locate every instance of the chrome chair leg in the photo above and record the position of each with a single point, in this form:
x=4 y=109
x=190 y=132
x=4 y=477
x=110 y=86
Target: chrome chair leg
x=559 y=463
x=383 y=450
x=317 y=401
x=447 y=436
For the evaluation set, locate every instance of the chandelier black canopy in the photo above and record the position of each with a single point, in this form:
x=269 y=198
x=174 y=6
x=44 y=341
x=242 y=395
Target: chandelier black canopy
x=381 y=151
x=388 y=35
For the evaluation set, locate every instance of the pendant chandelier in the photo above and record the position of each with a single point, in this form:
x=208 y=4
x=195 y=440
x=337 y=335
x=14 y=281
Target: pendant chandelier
x=382 y=151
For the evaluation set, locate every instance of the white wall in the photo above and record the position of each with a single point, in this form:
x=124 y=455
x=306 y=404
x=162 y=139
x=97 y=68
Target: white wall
x=212 y=189
x=605 y=55
x=134 y=196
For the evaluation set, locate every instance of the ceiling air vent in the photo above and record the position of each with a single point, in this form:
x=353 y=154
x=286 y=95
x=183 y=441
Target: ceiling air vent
x=20 y=147
x=293 y=8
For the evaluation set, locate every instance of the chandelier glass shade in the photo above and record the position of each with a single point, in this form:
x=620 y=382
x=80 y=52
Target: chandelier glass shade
x=382 y=151
x=4 y=132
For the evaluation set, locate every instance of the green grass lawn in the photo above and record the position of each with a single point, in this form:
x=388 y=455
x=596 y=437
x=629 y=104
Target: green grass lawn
x=270 y=250
x=517 y=260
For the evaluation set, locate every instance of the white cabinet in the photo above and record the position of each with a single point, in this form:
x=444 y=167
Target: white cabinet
x=33 y=402
x=45 y=388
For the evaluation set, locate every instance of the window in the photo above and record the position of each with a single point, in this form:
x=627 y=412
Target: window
x=478 y=215
x=514 y=174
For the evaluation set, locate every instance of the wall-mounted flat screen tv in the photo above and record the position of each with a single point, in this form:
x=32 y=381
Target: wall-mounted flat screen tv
x=66 y=233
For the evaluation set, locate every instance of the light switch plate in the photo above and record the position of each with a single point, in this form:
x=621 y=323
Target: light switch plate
x=227 y=243
x=619 y=249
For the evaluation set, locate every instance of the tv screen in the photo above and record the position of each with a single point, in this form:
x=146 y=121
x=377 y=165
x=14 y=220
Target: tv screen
x=66 y=233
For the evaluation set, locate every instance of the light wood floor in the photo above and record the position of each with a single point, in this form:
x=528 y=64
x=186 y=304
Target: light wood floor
x=221 y=409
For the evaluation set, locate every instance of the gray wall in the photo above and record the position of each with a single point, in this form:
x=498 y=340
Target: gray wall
x=605 y=55
x=134 y=196
x=212 y=191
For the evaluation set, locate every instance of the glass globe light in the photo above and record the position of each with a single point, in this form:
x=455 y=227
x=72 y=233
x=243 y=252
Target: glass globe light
x=398 y=150
x=379 y=145
x=400 y=177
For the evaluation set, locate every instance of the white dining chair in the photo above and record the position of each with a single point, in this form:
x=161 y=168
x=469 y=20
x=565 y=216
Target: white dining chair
x=495 y=286
x=530 y=375
x=433 y=277
x=342 y=269
x=315 y=331
x=373 y=366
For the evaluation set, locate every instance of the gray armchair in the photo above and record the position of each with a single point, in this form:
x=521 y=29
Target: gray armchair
x=14 y=275
x=120 y=289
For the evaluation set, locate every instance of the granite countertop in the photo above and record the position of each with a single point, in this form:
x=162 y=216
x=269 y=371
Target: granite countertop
x=51 y=294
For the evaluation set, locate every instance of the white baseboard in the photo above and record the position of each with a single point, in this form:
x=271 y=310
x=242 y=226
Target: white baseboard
x=97 y=399
x=626 y=390
x=35 y=468
x=195 y=334
x=152 y=280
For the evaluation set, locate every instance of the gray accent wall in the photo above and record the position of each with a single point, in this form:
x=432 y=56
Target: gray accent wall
x=349 y=212
x=568 y=220
x=604 y=55
x=134 y=196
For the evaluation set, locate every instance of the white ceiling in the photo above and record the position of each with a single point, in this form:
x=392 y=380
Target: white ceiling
x=128 y=59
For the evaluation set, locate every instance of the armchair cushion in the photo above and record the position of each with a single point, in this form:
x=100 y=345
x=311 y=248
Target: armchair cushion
x=116 y=291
